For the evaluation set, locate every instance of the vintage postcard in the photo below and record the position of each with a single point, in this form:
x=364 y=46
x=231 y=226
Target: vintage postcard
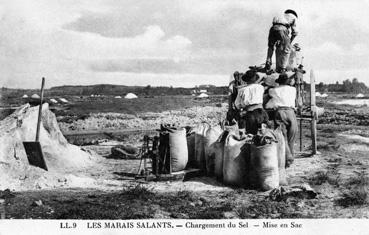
x=185 y=116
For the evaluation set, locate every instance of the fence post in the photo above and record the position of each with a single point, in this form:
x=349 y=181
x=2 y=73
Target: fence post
x=313 y=113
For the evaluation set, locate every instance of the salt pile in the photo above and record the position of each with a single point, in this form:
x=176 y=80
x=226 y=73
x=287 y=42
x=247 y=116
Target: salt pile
x=63 y=159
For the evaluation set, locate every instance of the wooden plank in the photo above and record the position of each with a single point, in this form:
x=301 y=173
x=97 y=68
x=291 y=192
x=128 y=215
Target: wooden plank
x=303 y=154
x=304 y=119
x=313 y=112
x=179 y=175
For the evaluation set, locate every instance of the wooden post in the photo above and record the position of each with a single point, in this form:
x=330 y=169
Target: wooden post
x=299 y=99
x=2 y=208
x=313 y=112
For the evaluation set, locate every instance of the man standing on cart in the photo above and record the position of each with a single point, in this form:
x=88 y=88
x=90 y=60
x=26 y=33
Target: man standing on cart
x=279 y=37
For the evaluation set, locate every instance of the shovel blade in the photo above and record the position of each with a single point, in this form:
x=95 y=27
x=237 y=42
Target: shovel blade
x=34 y=154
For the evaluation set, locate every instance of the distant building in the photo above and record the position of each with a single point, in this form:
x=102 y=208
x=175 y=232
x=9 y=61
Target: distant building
x=203 y=91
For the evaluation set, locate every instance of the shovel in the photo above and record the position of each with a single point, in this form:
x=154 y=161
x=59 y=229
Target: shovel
x=33 y=149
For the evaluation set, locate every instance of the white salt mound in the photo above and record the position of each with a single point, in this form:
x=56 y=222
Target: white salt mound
x=130 y=96
x=35 y=96
x=54 y=101
x=63 y=100
x=203 y=95
x=61 y=157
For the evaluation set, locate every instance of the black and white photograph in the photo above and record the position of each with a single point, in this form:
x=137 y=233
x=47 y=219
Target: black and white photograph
x=196 y=116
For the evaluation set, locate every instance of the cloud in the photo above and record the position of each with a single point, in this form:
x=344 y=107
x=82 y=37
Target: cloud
x=166 y=66
x=86 y=41
x=34 y=44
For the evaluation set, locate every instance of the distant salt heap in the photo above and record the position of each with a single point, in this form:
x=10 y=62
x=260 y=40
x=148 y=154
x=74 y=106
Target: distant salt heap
x=62 y=158
x=360 y=95
x=63 y=100
x=203 y=95
x=35 y=96
x=54 y=101
x=130 y=96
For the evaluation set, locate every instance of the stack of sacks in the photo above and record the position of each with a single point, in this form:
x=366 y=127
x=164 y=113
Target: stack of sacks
x=201 y=143
x=213 y=149
x=243 y=161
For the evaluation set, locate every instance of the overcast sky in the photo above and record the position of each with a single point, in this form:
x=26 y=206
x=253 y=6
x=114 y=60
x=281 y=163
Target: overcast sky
x=170 y=42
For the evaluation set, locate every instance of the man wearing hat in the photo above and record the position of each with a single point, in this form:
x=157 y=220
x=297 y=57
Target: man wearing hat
x=232 y=94
x=282 y=100
x=279 y=37
x=249 y=102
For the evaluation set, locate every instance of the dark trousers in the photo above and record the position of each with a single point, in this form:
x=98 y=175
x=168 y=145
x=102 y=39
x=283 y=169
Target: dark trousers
x=252 y=120
x=279 y=38
x=286 y=118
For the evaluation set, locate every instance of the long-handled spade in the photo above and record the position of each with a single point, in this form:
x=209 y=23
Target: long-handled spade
x=33 y=149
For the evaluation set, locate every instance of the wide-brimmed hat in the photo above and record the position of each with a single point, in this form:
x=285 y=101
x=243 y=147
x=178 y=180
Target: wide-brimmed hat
x=283 y=79
x=250 y=77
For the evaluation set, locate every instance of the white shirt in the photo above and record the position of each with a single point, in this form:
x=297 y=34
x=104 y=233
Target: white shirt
x=282 y=96
x=249 y=95
x=287 y=19
x=295 y=59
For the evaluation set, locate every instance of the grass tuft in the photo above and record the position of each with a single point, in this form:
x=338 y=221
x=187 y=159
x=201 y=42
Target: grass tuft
x=355 y=197
x=186 y=195
x=361 y=180
x=322 y=177
x=358 y=194
x=319 y=178
x=138 y=191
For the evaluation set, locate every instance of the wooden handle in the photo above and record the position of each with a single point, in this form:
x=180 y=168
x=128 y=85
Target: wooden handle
x=40 y=110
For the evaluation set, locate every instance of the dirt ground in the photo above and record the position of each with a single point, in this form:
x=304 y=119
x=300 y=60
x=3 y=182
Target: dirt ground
x=339 y=176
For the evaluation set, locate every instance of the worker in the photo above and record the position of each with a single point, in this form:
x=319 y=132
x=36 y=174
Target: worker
x=279 y=37
x=232 y=113
x=282 y=100
x=249 y=102
x=295 y=58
